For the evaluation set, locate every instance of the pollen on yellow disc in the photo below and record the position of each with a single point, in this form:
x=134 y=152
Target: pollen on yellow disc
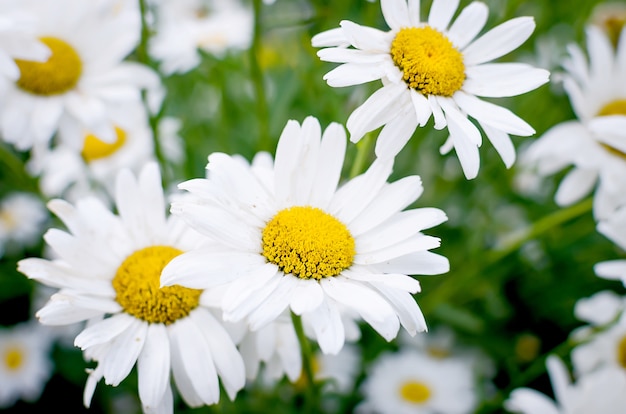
x=137 y=282
x=13 y=358
x=308 y=242
x=621 y=352
x=415 y=392
x=428 y=60
x=57 y=75
x=94 y=148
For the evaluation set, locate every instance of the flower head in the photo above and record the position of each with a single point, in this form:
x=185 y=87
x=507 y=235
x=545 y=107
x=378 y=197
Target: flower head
x=107 y=273
x=291 y=238
x=594 y=144
x=433 y=69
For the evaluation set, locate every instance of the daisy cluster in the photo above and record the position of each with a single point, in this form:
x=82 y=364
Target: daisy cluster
x=204 y=207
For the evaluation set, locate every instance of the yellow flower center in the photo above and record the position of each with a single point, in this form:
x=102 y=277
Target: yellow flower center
x=415 y=392
x=94 y=148
x=617 y=107
x=428 y=60
x=13 y=358
x=137 y=282
x=57 y=75
x=308 y=243
x=621 y=352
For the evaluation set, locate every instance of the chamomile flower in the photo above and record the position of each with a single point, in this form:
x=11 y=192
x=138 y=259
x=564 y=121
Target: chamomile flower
x=84 y=77
x=22 y=216
x=607 y=347
x=72 y=171
x=614 y=228
x=107 y=273
x=185 y=26
x=17 y=39
x=412 y=382
x=594 y=144
x=25 y=364
x=436 y=69
x=292 y=239
x=601 y=391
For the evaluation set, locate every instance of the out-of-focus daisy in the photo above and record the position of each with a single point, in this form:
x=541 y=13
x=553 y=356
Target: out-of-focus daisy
x=610 y=17
x=17 y=39
x=25 y=364
x=434 y=68
x=601 y=391
x=339 y=371
x=604 y=348
x=411 y=382
x=108 y=274
x=291 y=239
x=613 y=227
x=83 y=163
x=22 y=216
x=184 y=26
x=595 y=143
x=83 y=78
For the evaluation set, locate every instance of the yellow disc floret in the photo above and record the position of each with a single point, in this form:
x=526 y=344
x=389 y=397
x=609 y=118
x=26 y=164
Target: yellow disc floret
x=94 y=148
x=13 y=358
x=617 y=107
x=308 y=243
x=621 y=352
x=137 y=282
x=415 y=392
x=57 y=75
x=428 y=60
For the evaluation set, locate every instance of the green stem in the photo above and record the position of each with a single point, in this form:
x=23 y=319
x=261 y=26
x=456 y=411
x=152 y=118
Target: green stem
x=257 y=79
x=15 y=170
x=538 y=228
x=307 y=360
x=363 y=148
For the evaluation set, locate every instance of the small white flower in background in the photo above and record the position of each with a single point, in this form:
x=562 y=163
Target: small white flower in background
x=594 y=144
x=184 y=26
x=290 y=238
x=442 y=343
x=22 y=216
x=83 y=164
x=25 y=363
x=339 y=371
x=17 y=39
x=614 y=228
x=107 y=271
x=434 y=69
x=601 y=391
x=413 y=382
x=604 y=348
x=84 y=78
x=172 y=144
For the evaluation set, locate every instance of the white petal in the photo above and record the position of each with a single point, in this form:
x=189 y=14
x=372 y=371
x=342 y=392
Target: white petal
x=327 y=326
x=612 y=269
x=395 y=281
x=395 y=134
x=497 y=80
x=123 y=353
x=465 y=126
x=307 y=296
x=329 y=165
x=153 y=366
x=366 y=38
x=350 y=74
x=330 y=38
x=441 y=13
x=499 y=41
x=529 y=401
x=274 y=304
x=470 y=22
x=416 y=263
x=396 y=13
x=465 y=149
x=409 y=313
x=422 y=108
x=103 y=331
x=502 y=143
x=416 y=243
x=575 y=185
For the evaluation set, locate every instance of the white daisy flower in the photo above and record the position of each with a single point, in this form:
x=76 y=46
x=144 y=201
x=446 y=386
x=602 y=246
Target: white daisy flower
x=184 y=26
x=25 y=364
x=433 y=68
x=595 y=143
x=108 y=275
x=291 y=239
x=412 y=382
x=606 y=347
x=613 y=227
x=601 y=391
x=339 y=371
x=83 y=78
x=73 y=171
x=17 y=39
x=22 y=216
